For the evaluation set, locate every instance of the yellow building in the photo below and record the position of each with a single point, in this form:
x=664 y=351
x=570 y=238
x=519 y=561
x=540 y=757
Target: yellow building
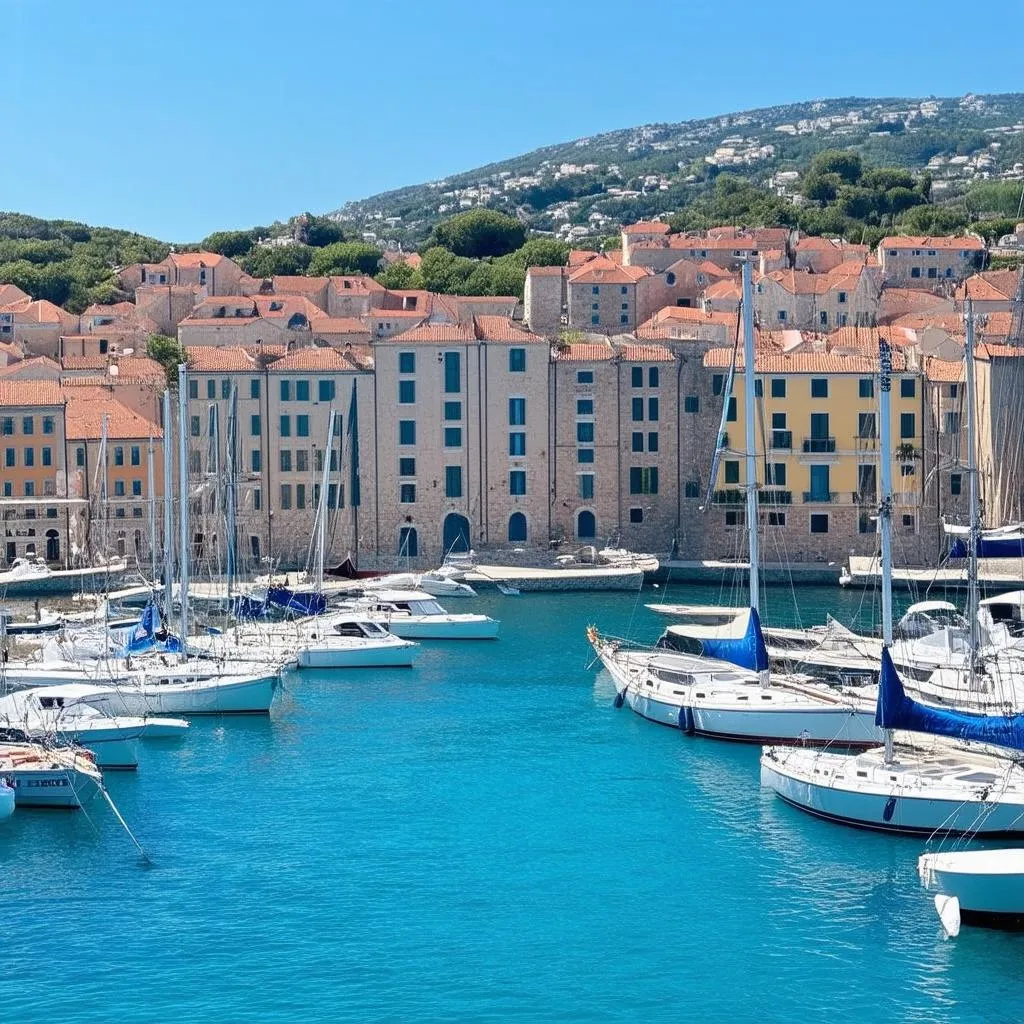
x=817 y=445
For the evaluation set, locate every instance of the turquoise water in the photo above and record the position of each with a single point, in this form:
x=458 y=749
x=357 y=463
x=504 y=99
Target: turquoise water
x=482 y=838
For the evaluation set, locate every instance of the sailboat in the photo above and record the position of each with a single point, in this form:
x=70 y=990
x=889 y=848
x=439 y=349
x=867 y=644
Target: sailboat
x=42 y=777
x=910 y=784
x=722 y=686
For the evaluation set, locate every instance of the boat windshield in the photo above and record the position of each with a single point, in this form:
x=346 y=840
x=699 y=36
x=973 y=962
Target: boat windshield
x=426 y=608
x=680 y=642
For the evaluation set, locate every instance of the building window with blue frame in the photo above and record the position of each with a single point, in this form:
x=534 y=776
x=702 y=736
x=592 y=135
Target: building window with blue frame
x=517 y=443
x=453 y=481
x=452 y=373
x=302 y=391
x=517 y=482
x=453 y=437
x=406 y=362
x=406 y=392
x=517 y=360
x=406 y=431
x=517 y=412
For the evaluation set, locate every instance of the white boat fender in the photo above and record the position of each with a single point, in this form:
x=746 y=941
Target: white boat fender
x=948 y=909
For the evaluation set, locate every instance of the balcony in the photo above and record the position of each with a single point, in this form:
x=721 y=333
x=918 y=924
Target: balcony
x=782 y=440
x=775 y=496
x=819 y=445
x=864 y=498
x=865 y=443
x=820 y=497
x=732 y=496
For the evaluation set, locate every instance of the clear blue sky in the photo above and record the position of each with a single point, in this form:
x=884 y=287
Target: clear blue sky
x=180 y=118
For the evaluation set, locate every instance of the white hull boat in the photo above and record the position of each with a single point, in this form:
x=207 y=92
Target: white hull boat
x=181 y=694
x=939 y=791
x=414 y=615
x=65 y=777
x=983 y=887
x=6 y=800
x=340 y=652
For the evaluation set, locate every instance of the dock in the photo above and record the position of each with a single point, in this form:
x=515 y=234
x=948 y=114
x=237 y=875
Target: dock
x=993 y=574
x=572 y=578
x=714 y=571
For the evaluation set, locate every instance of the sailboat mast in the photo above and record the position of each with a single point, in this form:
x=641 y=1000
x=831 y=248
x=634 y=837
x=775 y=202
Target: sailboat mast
x=168 y=509
x=753 y=537
x=321 y=512
x=885 y=499
x=972 y=489
x=183 y=525
x=152 y=506
x=230 y=496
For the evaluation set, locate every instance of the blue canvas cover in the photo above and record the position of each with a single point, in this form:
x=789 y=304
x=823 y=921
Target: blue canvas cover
x=747 y=651
x=301 y=604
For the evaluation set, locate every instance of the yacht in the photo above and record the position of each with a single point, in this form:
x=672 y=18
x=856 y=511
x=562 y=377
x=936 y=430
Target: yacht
x=415 y=615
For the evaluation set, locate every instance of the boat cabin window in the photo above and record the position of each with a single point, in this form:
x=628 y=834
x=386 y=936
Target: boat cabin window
x=679 y=642
x=667 y=675
x=426 y=608
x=349 y=629
x=51 y=702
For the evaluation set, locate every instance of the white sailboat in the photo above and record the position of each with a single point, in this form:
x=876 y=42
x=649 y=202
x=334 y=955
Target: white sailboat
x=42 y=777
x=710 y=696
x=931 y=786
x=983 y=887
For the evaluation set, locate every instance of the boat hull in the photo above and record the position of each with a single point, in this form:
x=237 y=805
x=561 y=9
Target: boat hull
x=909 y=814
x=111 y=751
x=385 y=656
x=988 y=896
x=7 y=801
x=654 y=710
x=444 y=628
x=249 y=696
x=807 y=726
x=58 y=787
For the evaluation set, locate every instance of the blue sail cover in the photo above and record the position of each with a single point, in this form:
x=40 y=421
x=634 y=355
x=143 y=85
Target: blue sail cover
x=143 y=637
x=990 y=547
x=249 y=608
x=301 y=604
x=747 y=651
x=895 y=710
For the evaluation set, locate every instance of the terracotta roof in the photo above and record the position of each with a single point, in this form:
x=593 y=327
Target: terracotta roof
x=317 y=360
x=356 y=283
x=404 y=299
x=545 y=271
x=996 y=325
x=12 y=293
x=40 y=311
x=16 y=369
x=647 y=227
x=803 y=282
x=897 y=301
x=941 y=371
x=646 y=354
x=11 y=352
x=437 y=334
x=602 y=270
x=929 y=242
x=584 y=352
x=30 y=392
x=769 y=361
x=220 y=359
x=195 y=259
x=293 y=284
x=284 y=307
x=992 y=285
x=213 y=321
x=115 y=309
x=725 y=289
x=396 y=314
x=1005 y=351
x=137 y=367
x=338 y=325
x=86 y=409
x=690 y=314
x=501 y=328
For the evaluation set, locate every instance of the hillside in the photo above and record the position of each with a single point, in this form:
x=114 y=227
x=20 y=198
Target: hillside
x=588 y=186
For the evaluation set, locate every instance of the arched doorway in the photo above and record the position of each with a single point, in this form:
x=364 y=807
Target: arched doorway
x=408 y=542
x=586 y=525
x=52 y=546
x=456 y=533
x=516 y=526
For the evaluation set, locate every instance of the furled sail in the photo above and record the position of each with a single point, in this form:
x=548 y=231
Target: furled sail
x=895 y=710
x=747 y=651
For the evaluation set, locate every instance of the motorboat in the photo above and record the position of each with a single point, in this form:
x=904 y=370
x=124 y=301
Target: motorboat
x=45 y=621
x=31 y=576
x=714 y=697
x=44 y=777
x=440 y=583
x=983 y=887
x=62 y=714
x=415 y=615
x=6 y=799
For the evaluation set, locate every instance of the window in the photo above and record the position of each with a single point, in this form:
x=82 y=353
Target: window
x=453 y=411
x=254 y=387
x=406 y=467
x=8 y=426
x=301 y=393
x=643 y=480
x=778 y=387
x=866 y=387
x=286 y=496
x=225 y=388
x=596 y=290
x=732 y=471
x=908 y=425
x=408 y=543
x=47 y=456
x=255 y=425
x=517 y=482
x=637 y=377
x=407 y=494
x=584 y=376
x=452 y=373
x=638 y=441
x=193 y=426
x=691 y=489
x=211 y=388
x=406 y=362
x=584 y=455
x=776 y=518
x=406 y=431
x=453 y=437
x=625 y=290
x=27 y=425
x=636 y=515
x=759 y=388
x=135 y=455
x=585 y=432
x=586 y=485
x=286 y=426
x=653 y=377
x=932 y=272
x=584 y=407
x=595 y=320
x=8 y=488
x=79 y=456
x=823 y=318
x=735 y=517
x=517 y=360
x=819 y=522
x=842 y=297
x=955 y=484
x=302 y=460
x=782 y=316
x=285 y=459
x=256 y=460
x=951 y=423
x=821 y=485
x=775 y=474
x=47 y=424
x=652 y=410
x=517 y=527
x=195 y=461
x=118 y=455
x=286 y=391
x=453 y=481
x=30 y=456
x=908 y=469
x=953 y=390
x=325 y=391
x=730 y=414
x=638 y=410
x=137 y=488
x=517 y=443
x=30 y=489
x=517 y=412
x=406 y=392
x=717 y=383
x=819 y=387
x=257 y=500
x=193 y=389
x=691 y=403
x=652 y=441
x=915 y=271
x=908 y=387
x=119 y=488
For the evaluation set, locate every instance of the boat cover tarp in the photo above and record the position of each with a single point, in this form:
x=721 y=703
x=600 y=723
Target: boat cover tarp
x=249 y=608
x=301 y=604
x=747 y=651
x=895 y=710
x=990 y=547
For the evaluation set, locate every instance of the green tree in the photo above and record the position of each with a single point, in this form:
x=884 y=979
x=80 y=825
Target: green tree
x=541 y=252
x=345 y=258
x=843 y=162
x=992 y=197
x=821 y=188
x=168 y=353
x=274 y=260
x=229 y=243
x=321 y=231
x=480 y=232
x=400 y=275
